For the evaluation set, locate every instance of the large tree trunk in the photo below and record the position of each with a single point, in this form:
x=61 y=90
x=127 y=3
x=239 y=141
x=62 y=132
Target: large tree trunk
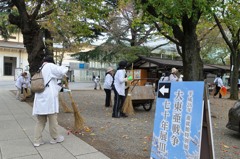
x=32 y=39
x=234 y=75
x=192 y=63
x=186 y=37
x=32 y=34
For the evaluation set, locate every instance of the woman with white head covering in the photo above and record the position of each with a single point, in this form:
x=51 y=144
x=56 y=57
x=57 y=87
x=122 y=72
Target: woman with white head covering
x=108 y=82
x=173 y=76
x=20 y=83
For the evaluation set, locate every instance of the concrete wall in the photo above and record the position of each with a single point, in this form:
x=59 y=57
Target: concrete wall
x=17 y=57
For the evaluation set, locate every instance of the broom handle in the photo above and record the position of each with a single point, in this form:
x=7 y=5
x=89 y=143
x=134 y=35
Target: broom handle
x=71 y=98
x=133 y=78
x=134 y=85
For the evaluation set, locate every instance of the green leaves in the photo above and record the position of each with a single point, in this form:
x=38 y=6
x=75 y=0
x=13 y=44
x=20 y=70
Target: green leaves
x=112 y=52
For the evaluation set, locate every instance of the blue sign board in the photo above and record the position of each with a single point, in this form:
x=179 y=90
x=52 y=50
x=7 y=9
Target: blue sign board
x=81 y=65
x=178 y=120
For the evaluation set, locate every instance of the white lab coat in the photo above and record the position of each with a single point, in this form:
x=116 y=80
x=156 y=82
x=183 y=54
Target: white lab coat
x=47 y=101
x=119 y=81
x=27 y=82
x=19 y=82
x=173 y=77
x=220 y=82
x=108 y=82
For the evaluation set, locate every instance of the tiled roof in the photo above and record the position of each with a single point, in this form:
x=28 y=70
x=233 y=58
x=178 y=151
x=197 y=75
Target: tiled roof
x=172 y=63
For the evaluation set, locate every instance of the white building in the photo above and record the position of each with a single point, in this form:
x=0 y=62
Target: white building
x=13 y=61
x=13 y=57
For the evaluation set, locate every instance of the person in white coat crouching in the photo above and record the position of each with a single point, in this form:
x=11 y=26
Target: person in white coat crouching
x=46 y=104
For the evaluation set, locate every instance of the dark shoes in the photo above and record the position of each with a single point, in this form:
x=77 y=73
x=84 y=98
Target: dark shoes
x=123 y=115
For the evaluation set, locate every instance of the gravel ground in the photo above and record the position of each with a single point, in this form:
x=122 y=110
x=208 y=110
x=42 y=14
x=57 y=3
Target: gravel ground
x=226 y=142
x=130 y=138
x=118 y=138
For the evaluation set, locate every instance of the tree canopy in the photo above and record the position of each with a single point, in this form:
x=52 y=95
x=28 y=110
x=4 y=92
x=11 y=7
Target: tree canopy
x=226 y=15
x=128 y=25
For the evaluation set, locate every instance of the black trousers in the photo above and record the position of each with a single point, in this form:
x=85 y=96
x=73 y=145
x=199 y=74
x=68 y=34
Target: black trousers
x=108 y=97
x=118 y=104
x=217 y=91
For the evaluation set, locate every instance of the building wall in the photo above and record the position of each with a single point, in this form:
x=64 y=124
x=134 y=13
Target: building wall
x=16 y=57
x=13 y=56
x=17 y=37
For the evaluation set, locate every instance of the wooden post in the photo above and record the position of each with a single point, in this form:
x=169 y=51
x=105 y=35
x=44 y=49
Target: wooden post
x=207 y=145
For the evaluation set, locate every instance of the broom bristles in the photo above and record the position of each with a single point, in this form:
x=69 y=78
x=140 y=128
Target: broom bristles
x=127 y=106
x=79 y=122
x=66 y=109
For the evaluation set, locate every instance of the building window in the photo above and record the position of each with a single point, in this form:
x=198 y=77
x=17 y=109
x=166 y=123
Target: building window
x=7 y=69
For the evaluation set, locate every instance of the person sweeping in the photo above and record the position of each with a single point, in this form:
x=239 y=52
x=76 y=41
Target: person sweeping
x=119 y=90
x=78 y=122
x=46 y=104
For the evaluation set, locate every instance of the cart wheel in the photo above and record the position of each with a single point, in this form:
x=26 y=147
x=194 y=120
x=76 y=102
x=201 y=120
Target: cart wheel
x=147 y=106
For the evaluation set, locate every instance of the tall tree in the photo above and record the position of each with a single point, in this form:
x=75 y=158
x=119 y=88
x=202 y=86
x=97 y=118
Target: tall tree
x=226 y=15
x=213 y=48
x=177 y=21
x=25 y=18
x=32 y=17
x=126 y=33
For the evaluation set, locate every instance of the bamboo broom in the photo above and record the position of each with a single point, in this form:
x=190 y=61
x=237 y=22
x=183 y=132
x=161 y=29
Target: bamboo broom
x=127 y=106
x=66 y=109
x=79 y=122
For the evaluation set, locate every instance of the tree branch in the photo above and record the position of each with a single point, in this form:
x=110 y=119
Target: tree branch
x=14 y=19
x=164 y=34
x=209 y=30
x=223 y=33
x=35 y=13
x=44 y=14
x=179 y=50
x=159 y=46
x=144 y=38
x=238 y=34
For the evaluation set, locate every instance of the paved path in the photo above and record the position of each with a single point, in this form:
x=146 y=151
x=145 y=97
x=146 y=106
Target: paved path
x=17 y=128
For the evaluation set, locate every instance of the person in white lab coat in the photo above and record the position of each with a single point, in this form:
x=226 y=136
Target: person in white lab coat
x=119 y=90
x=20 y=83
x=46 y=104
x=108 y=82
x=26 y=86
